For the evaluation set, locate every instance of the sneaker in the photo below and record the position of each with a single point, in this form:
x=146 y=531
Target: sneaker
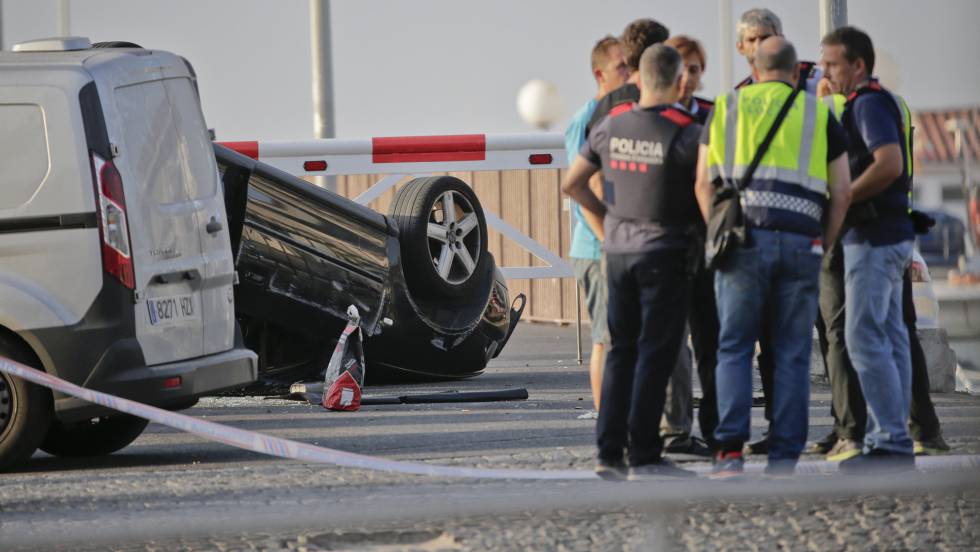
x=590 y=415
x=844 y=449
x=878 y=462
x=612 y=470
x=655 y=470
x=691 y=445
x=759 y=447
x=930 y=447
x=824 y=445
x=728 y=465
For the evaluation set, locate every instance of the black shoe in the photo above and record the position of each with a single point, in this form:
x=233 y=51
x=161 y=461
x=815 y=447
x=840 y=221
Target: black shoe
x=655 y=470
x=612 y=470
x=878 y=462
x=824 y=445
x=780 y=469
x=759 y=447
x=692 y=445
x=928 y=447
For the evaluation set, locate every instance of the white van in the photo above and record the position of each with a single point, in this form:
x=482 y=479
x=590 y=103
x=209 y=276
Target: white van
x=116 y=271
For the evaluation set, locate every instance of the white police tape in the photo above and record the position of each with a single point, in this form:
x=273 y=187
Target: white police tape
x=286 y=448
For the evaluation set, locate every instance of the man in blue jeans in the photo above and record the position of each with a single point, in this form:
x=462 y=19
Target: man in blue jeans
x=877 y=250
x=610 y=72
x=771 y=281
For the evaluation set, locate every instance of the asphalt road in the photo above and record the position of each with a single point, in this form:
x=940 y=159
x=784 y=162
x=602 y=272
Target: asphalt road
x=170 y=490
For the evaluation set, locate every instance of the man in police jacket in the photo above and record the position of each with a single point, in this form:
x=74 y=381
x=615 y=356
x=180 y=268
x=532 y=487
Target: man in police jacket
x=647 y=155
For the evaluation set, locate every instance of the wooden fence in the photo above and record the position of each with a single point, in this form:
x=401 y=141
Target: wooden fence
x=531 y=201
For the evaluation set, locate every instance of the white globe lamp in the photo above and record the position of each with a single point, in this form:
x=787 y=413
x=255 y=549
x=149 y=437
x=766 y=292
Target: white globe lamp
x=539 y=103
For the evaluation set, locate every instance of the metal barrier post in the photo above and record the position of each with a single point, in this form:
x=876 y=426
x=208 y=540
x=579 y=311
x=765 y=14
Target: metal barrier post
x=578 y=292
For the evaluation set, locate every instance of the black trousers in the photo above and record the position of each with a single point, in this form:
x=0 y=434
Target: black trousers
x=703 y=321
x=647 y=311
x=923 y=422
x=847 y=401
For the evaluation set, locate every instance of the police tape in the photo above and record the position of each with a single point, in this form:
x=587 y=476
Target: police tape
x=294 y=450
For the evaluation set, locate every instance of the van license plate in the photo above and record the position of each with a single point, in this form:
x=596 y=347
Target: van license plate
x=165 y=311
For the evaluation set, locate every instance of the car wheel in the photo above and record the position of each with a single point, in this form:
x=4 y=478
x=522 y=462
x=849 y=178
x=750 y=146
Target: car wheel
x=443 y=236
x=95 y=437
x=25 y=410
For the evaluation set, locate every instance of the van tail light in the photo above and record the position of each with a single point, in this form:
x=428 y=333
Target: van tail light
x=117 y=258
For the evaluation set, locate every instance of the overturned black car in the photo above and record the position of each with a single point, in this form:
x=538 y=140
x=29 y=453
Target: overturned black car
x=433 y=303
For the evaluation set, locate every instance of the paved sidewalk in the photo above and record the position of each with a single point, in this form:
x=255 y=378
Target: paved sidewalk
x=172 y=490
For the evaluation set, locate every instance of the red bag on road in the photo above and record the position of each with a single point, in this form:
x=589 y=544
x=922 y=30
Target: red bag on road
x=345 y=372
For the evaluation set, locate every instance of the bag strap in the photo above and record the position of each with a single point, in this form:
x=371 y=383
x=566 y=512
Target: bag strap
x=747 y=179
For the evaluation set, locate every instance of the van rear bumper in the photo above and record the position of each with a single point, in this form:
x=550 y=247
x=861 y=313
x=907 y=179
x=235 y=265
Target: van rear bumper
x=198 y=376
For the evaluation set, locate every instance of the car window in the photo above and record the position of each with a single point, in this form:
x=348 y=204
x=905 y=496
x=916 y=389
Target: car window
x=24 y=143
x=166 y=141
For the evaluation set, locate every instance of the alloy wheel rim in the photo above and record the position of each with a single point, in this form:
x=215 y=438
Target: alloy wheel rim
x=454 y=237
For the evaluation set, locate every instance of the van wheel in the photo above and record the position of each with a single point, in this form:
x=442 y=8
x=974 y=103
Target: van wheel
x=25 y=410
x=95 y=437
x=443 y=236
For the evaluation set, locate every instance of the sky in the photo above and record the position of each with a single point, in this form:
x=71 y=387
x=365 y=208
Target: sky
x=455 y=66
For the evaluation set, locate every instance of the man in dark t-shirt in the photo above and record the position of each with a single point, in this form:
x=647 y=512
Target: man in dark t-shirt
x=637 y=37
x=877 y=250
x=647 y=155
x=677 y=422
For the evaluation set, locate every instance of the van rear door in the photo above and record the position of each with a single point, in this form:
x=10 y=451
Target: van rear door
x=202 y=180
x=183 y=271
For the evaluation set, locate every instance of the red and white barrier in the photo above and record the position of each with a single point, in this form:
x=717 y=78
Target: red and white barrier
x=409 y=154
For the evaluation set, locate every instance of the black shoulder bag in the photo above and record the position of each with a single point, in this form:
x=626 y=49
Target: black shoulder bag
x=726 y=225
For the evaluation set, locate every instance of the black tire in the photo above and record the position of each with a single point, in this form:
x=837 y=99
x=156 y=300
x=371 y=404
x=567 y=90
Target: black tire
x=116 y=44
x=415 y=206
x=25 y=409
x=95 y=437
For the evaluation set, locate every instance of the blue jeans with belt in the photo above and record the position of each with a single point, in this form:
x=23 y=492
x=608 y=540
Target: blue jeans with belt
x=771 y=283
x=878 y=340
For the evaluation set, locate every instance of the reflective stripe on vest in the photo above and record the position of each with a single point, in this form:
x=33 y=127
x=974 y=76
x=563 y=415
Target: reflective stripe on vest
x=903 y=108
x=796 y=159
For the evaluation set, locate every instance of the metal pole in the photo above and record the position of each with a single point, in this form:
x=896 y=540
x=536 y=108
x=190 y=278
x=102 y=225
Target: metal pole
x=322 y=65
x=578 y=292
x=725 y=23
x=1 y=24
x=64 y=18
x=957 y=127
x=833 y=14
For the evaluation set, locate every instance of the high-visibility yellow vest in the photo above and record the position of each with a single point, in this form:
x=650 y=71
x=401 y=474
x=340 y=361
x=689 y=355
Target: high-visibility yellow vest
x=789 y=188
x=905 y=115
x=835 y=103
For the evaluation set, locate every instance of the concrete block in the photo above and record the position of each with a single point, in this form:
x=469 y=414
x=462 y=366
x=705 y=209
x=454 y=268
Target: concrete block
x=940 y=360
x=967 y=379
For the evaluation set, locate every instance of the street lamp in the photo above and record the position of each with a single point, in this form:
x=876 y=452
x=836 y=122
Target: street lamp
x=539 y=103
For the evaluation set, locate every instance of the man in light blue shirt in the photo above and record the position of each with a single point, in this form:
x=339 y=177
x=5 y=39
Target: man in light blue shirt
x=610 y=72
